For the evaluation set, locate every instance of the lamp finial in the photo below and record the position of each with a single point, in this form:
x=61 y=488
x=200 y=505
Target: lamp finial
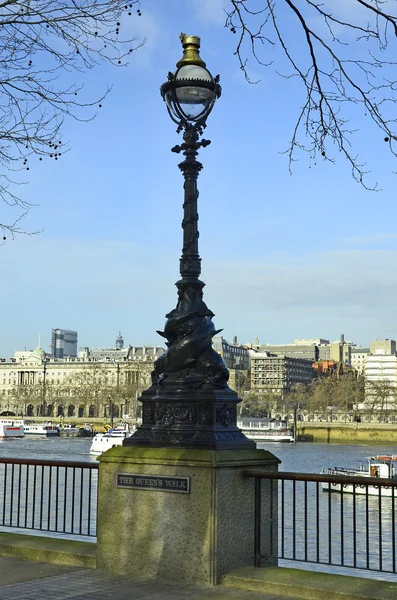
x=191 y=54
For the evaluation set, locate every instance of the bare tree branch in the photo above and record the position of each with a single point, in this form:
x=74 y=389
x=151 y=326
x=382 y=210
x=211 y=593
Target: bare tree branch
x=42 y=43
x=345 y=58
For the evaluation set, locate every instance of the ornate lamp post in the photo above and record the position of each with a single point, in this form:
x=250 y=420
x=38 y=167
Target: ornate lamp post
x=44 y=403
x=189 y=403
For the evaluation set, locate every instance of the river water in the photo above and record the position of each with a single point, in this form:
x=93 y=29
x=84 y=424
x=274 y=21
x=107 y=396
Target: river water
x=52 y=448
x=300 y=457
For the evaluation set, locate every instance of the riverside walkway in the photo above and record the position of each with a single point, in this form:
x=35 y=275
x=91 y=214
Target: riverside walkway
x=39 y=568
x=28 y=580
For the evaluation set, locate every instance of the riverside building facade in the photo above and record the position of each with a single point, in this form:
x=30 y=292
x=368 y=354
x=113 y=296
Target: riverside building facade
x=237 y=360
x=313 y=349
x=358 y=359
x=380 y=374
x=36 y=384
x=277 y=373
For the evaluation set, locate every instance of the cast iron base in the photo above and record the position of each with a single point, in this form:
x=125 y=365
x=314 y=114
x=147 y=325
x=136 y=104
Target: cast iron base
x=175 y=417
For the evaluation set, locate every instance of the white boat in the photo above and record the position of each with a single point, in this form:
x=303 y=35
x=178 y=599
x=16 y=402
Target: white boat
x=266 y=430
x=377 y=467
x=114 y=437
x=11 y=428
x=45 y=429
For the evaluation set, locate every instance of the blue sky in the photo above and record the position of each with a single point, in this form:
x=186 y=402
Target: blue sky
x=284 y=256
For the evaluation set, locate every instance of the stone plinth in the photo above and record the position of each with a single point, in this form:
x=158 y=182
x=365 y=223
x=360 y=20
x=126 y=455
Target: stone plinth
x=191 y=537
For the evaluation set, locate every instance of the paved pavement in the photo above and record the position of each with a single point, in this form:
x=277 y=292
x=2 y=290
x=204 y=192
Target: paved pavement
x=26 y=580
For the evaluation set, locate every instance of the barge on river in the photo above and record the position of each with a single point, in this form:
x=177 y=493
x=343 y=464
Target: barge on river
x=266 y=430
x=377 y=467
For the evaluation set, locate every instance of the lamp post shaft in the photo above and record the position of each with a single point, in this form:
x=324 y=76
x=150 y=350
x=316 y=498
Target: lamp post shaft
x=189 y=404
x=190 y=262
x=44 y=409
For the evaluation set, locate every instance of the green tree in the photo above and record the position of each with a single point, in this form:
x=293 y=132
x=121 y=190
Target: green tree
x=45 y=46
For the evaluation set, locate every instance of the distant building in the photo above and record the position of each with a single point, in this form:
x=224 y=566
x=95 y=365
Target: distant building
x=340 y=351
x=278 y=374
x=358 y=359
x=307 y=351
x=381 y=368
x=313 y=349
x=311 y=342
x=387 y=347
x=324 y=352
x=237 y=360
x=325 y=368
x=142 y=353
x=33 y=384
x=37 y=355
x=381 y=372
x=63 y=343
x=234 y=355
x=119 y=342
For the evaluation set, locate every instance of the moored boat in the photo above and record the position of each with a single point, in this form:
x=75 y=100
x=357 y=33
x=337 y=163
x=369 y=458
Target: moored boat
x=48 y=429
x=114 y=437
x=74 y=430
x=11 y=428
x=377 y=467
x=266 y=430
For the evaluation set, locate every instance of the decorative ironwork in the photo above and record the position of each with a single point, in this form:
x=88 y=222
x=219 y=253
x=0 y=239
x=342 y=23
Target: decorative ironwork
x=226 y=415
x=149 y=414
x=189 y=395
x=205 y=416
x=167 y=415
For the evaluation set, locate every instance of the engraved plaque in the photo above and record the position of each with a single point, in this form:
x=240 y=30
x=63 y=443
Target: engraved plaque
x=157 y=483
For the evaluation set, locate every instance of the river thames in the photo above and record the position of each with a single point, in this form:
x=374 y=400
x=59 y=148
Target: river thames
x=301 y=457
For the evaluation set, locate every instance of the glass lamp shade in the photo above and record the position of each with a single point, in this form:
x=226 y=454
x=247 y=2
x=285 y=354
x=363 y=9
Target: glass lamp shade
x=190 y=94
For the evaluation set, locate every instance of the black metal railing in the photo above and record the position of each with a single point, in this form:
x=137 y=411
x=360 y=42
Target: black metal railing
x=296 y=521
x=51 y=496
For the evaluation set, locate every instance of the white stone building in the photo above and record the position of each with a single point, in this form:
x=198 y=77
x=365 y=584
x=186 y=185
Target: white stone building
x=380 y=374
x=358 y=359
x=35 y=384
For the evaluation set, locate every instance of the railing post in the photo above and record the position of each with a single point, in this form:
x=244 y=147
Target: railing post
x=257 y=521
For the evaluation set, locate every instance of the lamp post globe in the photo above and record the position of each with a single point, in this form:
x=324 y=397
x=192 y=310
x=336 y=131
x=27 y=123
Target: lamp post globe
x=190 y=93
x=189 y=404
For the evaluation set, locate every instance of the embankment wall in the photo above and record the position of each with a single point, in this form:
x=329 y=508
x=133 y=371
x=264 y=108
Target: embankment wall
x=348 y=433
